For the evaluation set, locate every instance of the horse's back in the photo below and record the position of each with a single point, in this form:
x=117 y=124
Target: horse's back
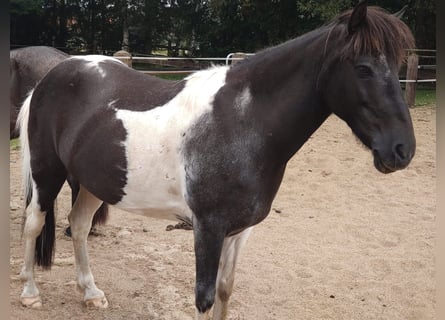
x=96 y=79
x=34 y=62
x=27 y=66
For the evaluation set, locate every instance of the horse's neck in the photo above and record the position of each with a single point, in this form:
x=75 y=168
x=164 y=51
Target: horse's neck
x=283 y=83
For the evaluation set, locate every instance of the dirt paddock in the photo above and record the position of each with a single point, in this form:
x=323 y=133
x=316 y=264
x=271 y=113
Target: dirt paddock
x=342 y=241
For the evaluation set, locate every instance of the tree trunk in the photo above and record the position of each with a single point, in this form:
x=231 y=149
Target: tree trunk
x=411 y=75
x=93 y=44
x=63 y=31
x=125 y=33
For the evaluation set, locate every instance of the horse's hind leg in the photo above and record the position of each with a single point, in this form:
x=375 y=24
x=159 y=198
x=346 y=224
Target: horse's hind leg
x=75 y=187
x=101 y=215
x=226 y=272
x=33 y=226
x=80 y=219
x=39 y=232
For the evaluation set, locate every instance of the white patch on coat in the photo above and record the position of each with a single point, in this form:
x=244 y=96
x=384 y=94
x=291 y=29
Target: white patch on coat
x=155 y=167
x=382 y=59
x=94 y=60
x=243 y=99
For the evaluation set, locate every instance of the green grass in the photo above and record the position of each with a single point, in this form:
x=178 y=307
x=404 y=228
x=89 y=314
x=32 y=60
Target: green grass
x=14 y=144
x=425 y=97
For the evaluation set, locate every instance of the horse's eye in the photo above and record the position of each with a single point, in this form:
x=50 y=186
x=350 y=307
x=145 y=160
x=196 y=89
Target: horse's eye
x=364 y=71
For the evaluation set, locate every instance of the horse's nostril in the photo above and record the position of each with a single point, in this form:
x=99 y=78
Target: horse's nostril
x=401 y=151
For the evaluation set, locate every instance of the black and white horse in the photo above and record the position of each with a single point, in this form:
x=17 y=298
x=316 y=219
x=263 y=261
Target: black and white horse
x=211 y=149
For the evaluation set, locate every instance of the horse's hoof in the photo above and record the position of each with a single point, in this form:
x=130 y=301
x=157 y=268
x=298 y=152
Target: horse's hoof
x=67 y=232
x=97 y=303
x=31 y=302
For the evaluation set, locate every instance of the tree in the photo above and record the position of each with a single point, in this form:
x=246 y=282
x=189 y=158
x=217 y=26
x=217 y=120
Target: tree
x=421 y=17
x=26 y=22
x=189 y=27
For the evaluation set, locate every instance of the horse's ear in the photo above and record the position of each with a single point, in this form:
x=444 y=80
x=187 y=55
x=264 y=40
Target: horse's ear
x=358 y=16
x=399 y=14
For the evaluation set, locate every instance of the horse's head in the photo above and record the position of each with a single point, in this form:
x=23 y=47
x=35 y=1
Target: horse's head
x=361 y=83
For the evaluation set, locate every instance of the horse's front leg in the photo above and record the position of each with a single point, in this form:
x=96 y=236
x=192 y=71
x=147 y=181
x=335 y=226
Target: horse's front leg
x=80 y=219
x=208 y=244
x=226 y=273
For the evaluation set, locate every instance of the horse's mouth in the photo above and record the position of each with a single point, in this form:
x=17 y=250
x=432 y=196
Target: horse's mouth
x=380 y=165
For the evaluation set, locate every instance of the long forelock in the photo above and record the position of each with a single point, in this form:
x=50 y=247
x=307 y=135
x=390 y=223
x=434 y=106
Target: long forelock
x=381 y=34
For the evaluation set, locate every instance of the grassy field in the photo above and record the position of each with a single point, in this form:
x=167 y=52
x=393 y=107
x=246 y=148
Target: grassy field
x=425 y=97
x=14 y=144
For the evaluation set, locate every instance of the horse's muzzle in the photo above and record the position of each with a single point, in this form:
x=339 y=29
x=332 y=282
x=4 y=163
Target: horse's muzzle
x=398 y=158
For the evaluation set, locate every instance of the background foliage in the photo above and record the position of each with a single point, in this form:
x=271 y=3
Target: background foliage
x=188 y=27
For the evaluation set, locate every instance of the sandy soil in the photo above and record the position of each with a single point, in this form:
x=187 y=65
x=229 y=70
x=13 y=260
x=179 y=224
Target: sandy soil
x=341 y=242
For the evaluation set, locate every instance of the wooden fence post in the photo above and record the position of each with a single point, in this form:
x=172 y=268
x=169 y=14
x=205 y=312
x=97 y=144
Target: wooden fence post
x=237 y=56
x=411 y=74
x=124 y=56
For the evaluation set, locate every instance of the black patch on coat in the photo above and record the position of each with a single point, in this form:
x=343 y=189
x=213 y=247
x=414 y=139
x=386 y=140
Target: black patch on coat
x=230 y=185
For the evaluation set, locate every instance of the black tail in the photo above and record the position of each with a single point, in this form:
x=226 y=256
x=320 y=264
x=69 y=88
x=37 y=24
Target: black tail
x=46 y=240
x=101 y=215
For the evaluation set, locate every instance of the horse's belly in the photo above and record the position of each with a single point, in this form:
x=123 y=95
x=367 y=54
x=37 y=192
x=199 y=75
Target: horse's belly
x=171 y=210
x=155 y=190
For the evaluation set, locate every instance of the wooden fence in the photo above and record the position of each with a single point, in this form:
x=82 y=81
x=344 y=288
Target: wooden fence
x=412 y=72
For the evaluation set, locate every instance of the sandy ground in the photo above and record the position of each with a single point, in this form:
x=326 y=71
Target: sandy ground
x=341 y=242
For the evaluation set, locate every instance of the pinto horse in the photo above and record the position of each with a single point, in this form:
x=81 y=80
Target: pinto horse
x=211 y=149
x=27 y=66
